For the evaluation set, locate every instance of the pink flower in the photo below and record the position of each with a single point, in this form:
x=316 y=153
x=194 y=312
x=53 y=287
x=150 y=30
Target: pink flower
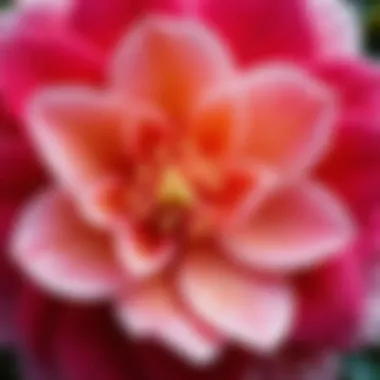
x=172 y=237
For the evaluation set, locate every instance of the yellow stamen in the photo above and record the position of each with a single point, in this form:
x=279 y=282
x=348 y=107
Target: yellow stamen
x=174 y=189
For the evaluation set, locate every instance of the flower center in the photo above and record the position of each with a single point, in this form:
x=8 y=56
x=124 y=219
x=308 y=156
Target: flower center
x=175 y=190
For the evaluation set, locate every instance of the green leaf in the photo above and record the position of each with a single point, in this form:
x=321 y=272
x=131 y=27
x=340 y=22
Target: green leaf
x=362 y=366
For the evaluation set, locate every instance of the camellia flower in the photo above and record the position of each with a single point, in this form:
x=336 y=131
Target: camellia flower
x=196 y=188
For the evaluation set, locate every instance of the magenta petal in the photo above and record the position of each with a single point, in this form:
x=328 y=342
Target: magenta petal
x=331 y=303
x=37 y=49
x=103 y=21
x=262 y=29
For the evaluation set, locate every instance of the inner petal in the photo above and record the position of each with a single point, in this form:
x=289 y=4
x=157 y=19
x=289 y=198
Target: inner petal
x=169 y=62
x=78 y=132
x=290 y=118
x=156 y=311
x=296 y=227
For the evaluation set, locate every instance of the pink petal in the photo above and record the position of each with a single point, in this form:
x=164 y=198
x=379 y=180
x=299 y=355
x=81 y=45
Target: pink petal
x=154 y=311
x=61 y=253
x=256 y=312
x=103 y=21
x=297 y=227
x=297 y=134
x=262 y=29
x=218 y=119
x=356 y=82
x=37 y=49
x=78 y=132
x=169 y=62
x=142 y=258
x=330 y=294
x=337 y=27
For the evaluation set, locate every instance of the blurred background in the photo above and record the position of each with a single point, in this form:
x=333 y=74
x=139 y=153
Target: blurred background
x=357 y=366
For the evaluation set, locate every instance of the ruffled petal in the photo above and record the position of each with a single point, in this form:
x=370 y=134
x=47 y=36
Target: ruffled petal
x=297 y=227
x=169 y=62
x=61 y=253
x=290 y=117
x=155 y=311
x=256 y=312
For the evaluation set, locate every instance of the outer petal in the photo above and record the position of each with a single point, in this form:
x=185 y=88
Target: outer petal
x=356 y=83
x=329 y=295
x=61 y=253
x=169 y=62
x=256 y=312
x=78 y=132
x=290 y=117
x=154 y=311
x=336 y=27
x=36 y=49
x=276 y=29
x=103 y=21
x=297 y=227
x=297 y=29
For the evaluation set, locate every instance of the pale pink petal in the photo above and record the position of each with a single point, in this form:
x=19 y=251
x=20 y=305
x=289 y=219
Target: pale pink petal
x=297 y=227
x=170 y=62
x=256 y=312
x=78 y=132
x=154 y=311
x=290 y=117
x=337 y=27
x=60 y=5
x=139 y=257
x=62 y=254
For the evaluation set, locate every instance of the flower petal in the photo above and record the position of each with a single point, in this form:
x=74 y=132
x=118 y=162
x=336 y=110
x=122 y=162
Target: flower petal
x=55 y=248
x=297 y=227
x=154 y=311
x=103 y=21
x=296 y=135
x=217 y=120
x=262 y=29
x=256 y=312
x=337 y=27
x=78 y=132
x=169 y=62
x=330 y=294
x=36 y=49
